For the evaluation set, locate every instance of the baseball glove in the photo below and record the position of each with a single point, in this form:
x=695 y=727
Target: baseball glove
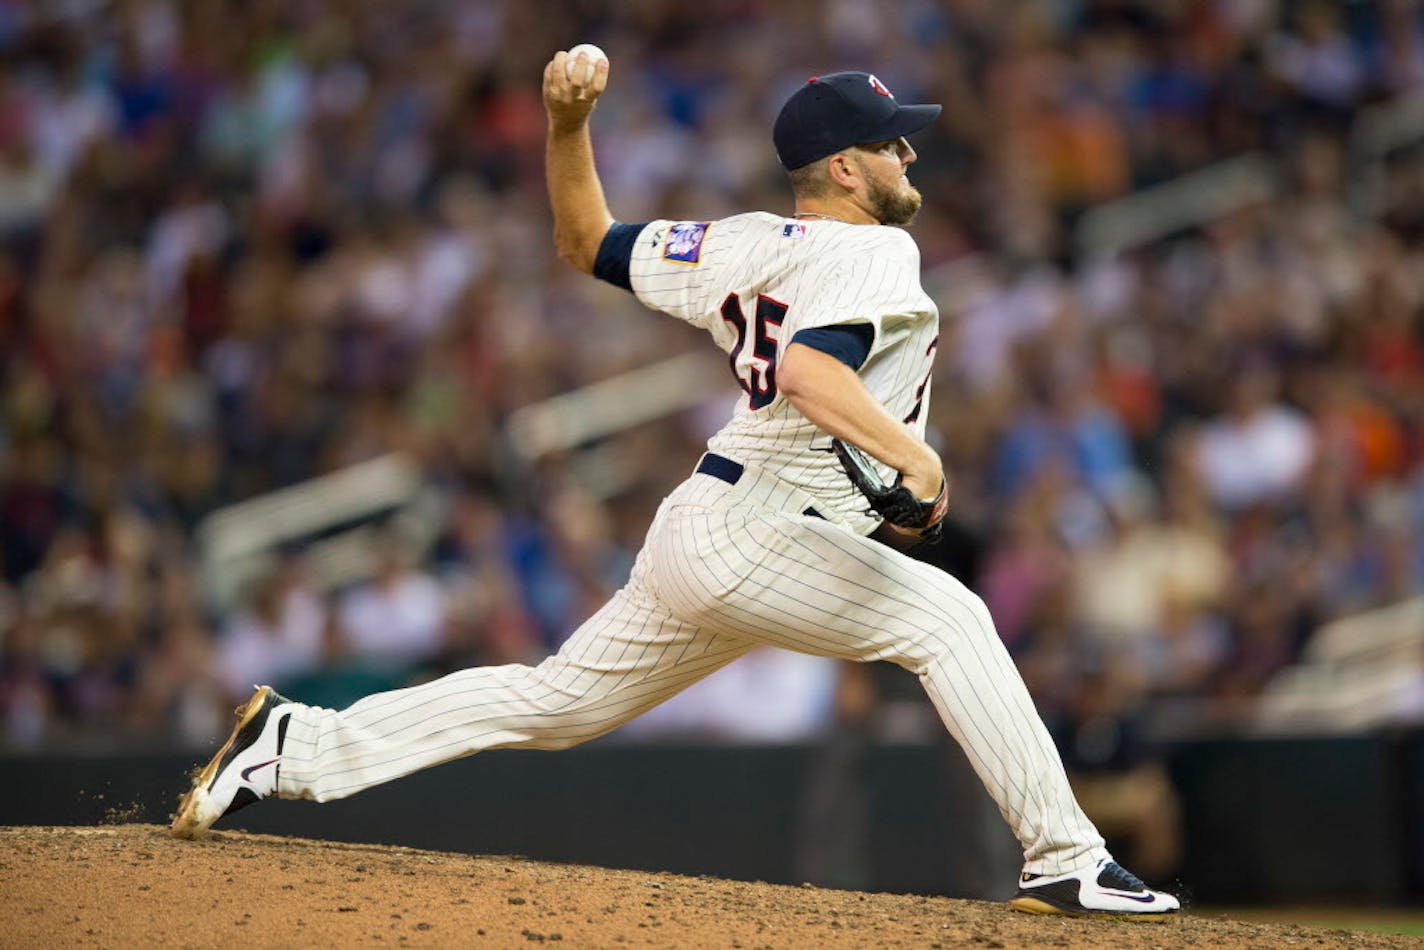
x=895 y=503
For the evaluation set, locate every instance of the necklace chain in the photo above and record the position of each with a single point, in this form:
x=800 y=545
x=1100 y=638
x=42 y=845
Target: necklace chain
x=823 y=217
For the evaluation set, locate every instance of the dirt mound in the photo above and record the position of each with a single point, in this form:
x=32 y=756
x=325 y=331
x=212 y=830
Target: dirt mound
x=131 y=885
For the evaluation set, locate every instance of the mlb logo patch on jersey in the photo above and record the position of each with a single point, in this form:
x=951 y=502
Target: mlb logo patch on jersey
x=684 y=242
x=794 y=229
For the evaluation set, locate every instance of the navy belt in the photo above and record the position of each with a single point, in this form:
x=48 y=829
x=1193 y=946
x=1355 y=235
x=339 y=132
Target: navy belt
x=721 y=467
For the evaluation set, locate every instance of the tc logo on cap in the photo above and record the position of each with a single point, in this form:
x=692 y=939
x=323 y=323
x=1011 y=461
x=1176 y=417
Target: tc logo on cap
x=879 y=86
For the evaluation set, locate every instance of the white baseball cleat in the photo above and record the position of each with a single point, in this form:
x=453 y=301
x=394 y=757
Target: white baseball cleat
x=243 y=771
x=1102 y=888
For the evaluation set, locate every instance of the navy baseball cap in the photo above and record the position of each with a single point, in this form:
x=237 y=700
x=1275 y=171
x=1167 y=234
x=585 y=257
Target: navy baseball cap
x=838 y=110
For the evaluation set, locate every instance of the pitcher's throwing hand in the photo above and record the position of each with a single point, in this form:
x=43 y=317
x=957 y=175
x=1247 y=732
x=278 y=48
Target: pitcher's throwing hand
x=573 y=85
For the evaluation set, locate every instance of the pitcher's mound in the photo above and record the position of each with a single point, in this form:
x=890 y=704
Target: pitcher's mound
x=133 y=885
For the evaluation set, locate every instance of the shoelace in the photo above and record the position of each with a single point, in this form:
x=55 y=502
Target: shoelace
x=1121 y=878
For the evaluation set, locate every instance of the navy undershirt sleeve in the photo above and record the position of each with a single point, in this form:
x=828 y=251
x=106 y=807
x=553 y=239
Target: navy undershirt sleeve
x=616 y=253
x=849 y=342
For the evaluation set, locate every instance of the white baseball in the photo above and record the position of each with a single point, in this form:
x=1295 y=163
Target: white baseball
x=572 y=67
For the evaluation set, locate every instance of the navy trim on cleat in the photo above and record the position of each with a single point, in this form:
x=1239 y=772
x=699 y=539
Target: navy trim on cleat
x=238 y=775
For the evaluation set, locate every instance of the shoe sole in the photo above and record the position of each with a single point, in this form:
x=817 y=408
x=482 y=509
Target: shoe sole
x=1032 y=905
x=192 y=820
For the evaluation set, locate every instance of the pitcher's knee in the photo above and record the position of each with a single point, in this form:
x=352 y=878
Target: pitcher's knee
x=553 y=732
x=983 y=621
x=949 y=630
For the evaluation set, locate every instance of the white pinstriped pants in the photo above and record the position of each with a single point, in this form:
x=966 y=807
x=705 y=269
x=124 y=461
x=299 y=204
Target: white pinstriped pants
x=717 y=577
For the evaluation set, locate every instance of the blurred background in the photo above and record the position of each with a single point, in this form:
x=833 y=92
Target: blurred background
x=294 y=390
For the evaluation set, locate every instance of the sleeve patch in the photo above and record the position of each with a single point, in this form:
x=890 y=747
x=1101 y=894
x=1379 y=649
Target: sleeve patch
x=684 y=242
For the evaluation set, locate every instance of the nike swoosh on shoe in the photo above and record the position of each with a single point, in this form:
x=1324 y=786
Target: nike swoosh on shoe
x=1140 y=898
x=247 y=772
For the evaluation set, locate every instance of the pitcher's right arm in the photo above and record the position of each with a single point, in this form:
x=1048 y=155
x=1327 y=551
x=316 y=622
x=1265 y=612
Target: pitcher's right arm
x=581 y=215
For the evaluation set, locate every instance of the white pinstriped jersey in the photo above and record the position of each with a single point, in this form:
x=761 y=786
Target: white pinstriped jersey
x=753 y=281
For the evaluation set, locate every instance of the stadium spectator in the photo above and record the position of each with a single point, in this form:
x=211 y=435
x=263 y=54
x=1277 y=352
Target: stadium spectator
x=276 y=637
x=398 y=617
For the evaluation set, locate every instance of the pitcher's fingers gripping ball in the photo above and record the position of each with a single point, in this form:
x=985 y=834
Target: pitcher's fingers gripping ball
x=574 y=80
x=583 y=62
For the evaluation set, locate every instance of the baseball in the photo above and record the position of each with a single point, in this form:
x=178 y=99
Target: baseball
x=572 y=67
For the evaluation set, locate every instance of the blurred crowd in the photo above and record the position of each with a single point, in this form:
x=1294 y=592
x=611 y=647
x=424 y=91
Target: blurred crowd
x=243 y=244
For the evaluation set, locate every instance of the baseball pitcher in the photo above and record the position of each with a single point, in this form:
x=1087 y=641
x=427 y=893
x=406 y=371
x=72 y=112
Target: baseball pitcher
x=787 y=532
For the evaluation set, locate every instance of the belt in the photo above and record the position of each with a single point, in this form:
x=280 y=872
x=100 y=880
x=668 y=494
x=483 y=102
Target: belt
x=721 y=467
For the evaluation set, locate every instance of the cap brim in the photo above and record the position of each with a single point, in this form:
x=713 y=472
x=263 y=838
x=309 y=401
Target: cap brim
x=907 y=120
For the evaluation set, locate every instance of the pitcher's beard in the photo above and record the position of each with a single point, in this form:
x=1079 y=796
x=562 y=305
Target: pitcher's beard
x=894 y=205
